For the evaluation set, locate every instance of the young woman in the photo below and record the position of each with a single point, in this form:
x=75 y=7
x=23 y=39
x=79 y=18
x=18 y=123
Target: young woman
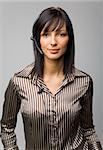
x=54 y=97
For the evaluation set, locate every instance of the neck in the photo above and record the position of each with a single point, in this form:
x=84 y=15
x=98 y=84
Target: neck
x=53 y=67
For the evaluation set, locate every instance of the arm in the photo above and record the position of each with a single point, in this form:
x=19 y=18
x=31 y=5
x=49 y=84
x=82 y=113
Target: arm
x=9 y=117
x=87 y=119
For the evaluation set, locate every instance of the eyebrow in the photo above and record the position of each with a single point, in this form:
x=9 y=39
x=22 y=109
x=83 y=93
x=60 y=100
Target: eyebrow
x=60 y=30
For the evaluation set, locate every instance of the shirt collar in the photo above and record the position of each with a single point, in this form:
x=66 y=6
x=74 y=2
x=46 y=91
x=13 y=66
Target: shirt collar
x=28 y=72
x=71 y=76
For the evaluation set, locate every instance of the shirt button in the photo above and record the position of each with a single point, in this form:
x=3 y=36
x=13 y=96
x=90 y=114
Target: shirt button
x=54 y=112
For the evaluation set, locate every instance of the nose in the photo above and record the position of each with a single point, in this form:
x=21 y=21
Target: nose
x=53 y=40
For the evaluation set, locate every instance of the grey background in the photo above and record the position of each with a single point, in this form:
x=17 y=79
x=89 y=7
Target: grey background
x=16 y=21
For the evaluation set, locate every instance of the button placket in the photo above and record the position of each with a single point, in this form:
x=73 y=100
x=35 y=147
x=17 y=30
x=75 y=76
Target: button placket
x=53 y=139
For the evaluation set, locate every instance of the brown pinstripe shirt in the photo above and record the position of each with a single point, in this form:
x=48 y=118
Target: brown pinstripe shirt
x=51 y=122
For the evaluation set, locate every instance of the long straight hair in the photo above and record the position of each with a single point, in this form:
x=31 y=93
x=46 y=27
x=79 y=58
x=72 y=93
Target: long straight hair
x=50 y=19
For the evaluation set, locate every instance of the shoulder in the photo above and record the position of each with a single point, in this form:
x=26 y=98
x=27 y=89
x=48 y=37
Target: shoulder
x=83 y=76
x=26 y=71
x=80 y=73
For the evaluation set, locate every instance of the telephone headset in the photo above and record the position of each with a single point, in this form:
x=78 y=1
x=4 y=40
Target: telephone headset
x=36 y=44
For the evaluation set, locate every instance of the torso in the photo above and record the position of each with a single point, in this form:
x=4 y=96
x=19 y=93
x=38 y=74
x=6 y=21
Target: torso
x=55 y=117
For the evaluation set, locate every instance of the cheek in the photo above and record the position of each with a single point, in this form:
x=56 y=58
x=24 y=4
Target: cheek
x=43 y=44
x=64 y=44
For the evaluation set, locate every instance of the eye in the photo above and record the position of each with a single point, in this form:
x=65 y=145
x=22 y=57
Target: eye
x=45 y=34
x=63 y=34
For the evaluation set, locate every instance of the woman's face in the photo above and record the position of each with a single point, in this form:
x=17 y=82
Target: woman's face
x=54 y=43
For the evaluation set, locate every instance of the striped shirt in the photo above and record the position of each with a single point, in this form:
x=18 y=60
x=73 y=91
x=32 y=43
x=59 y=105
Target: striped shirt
x=62 y=121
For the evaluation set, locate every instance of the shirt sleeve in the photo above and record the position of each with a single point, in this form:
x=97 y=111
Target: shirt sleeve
x=87 y=119
x=11 y=107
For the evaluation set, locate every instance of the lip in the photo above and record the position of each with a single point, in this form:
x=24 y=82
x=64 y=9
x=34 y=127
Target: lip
x=53 y=51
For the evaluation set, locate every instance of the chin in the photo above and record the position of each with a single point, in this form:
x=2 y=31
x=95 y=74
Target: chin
x=55 y=57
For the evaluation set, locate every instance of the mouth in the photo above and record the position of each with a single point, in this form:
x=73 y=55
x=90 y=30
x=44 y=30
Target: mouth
x=53 y=51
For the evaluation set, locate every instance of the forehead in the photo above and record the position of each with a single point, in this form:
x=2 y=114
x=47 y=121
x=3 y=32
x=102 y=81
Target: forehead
x=62 y=28
x=54 y=25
